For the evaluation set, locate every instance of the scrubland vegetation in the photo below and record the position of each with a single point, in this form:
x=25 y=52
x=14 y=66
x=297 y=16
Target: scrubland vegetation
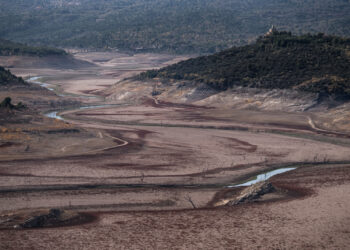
x=313 y=63
x=6 y=103
x=6 y=78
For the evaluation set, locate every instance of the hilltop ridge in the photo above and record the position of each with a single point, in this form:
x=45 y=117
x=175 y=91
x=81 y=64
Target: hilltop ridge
x=9 y=48
x=280 y=60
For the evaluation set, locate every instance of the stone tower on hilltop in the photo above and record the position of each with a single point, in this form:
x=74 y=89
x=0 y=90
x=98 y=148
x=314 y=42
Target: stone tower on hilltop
x=271 y=31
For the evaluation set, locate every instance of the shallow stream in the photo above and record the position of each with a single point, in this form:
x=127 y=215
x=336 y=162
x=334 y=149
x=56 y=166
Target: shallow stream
x=55 y=114
x=263 y=177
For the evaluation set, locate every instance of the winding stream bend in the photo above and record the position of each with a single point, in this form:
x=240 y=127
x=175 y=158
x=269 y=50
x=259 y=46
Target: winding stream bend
x=263 y=177
x=35 y=80
x=55 y=115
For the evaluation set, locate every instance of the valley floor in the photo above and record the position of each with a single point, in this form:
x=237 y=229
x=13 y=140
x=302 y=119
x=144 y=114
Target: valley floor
x=315 y=218
x=148 y=171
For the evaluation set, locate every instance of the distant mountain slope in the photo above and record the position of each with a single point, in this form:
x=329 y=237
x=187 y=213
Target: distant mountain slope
x=13 y=54
x=9 y=48
x=180 y=26
x=313 y=63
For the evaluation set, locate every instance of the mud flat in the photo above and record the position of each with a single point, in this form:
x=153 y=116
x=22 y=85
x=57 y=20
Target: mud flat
x=150 y=170
x=86 y=73
x=315 y=216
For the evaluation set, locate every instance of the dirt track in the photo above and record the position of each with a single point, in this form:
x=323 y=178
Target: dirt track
x=169 y=156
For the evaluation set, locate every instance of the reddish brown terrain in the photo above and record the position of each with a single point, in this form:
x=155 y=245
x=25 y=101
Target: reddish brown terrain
x=134 y=171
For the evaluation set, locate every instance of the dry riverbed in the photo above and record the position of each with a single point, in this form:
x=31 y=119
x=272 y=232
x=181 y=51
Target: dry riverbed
x=148 y=173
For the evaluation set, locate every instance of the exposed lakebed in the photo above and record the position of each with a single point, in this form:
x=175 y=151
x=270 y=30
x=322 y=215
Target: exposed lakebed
x=55 y=114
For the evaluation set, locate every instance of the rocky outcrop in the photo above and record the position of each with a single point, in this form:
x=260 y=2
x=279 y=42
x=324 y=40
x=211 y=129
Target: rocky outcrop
x=252 y=193
x=42 y=220
x=262 y=99
x=249 y=194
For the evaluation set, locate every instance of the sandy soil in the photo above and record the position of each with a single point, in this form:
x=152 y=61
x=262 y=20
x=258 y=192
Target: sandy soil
x=315 y=217
x=141 y=169
x=91 y=73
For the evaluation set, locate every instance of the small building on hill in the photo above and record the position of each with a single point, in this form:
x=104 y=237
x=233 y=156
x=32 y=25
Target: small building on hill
x=271 y=31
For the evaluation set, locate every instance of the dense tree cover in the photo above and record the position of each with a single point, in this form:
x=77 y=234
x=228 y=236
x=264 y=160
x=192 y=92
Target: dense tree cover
x=8 y=48
x=6 y=78
x=316 y=63
x=180 y=26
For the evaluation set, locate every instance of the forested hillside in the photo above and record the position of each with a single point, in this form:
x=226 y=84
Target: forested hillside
x=177 y=26
x=6 y=77
x=315 y=63
x=8 y=48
